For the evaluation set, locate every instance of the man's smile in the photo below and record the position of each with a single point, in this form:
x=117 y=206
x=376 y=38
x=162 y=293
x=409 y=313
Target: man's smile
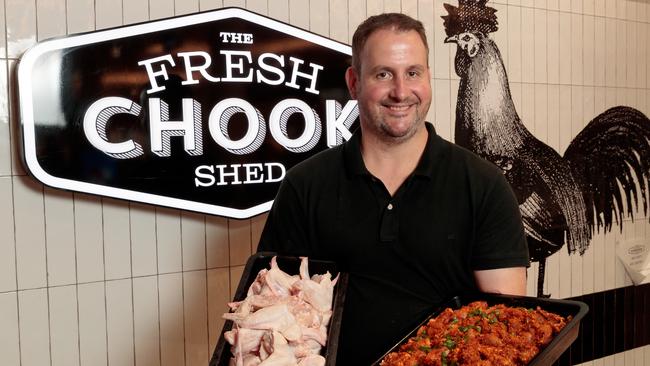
x=398 y=108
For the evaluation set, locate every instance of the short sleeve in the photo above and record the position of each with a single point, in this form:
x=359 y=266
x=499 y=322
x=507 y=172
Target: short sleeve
x=500 y=237
x=284 y=230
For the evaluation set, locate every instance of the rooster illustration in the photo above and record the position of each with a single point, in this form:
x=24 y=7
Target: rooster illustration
x=562 y=199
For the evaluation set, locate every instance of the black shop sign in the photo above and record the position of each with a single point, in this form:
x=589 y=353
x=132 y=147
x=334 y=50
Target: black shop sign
x=204 y=112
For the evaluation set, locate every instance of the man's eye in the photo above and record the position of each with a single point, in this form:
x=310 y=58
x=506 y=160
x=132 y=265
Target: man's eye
x=413 y=74
x=383 y=75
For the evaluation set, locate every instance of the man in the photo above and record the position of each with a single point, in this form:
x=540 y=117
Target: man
x=412 y=218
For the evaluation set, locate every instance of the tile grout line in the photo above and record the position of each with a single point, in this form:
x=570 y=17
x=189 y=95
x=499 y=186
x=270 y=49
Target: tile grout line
x=132 y=283
x=118 y=279
x=180 y=215
x=207 y=301
x=76 y=273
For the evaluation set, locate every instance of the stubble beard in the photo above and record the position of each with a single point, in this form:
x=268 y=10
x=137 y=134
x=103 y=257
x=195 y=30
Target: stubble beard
x=389 y=135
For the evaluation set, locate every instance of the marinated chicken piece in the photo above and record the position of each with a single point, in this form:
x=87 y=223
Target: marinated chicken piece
x=478 y=334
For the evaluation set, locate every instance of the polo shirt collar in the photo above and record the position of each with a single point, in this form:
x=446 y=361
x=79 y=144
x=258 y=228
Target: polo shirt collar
x=355 y=165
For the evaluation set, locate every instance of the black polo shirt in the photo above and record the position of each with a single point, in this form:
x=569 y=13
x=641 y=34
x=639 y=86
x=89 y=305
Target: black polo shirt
x=405 y=253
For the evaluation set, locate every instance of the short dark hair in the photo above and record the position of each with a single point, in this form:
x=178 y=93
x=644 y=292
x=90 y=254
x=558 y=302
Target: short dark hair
x=394 y=21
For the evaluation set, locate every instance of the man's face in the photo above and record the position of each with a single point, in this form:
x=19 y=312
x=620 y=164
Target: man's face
x=393 y=87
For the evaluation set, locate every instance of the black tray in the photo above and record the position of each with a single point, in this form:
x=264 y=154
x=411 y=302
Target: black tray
x=546 y=356
x=290 y=265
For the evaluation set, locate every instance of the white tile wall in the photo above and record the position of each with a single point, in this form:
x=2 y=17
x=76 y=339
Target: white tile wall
x=440 y=56
x=195 y=310
x=319 y=20
x=34 y=327
x=21 y=28
x=186 y=7
x=135 y=11
x=89 y=238
x=168 y=229
x=216 y=241
x=64 y=327
x=218 y=285
x=93 y=281
x=193 y=233
x=9 y=336
x=7 y=237
x=91 y=304
x=29 y=223
x=5 y=128
x=172 y=329
x=144 y=260
x=108 y=13
x=146 y=325
x=117 y=239
x=161 y=9
x=240 y=241
x=119 y=322
x=59 y=237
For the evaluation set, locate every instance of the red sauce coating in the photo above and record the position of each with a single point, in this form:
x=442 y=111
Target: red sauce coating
x=478 y=334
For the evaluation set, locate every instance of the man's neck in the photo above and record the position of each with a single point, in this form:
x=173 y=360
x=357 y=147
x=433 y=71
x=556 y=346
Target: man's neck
x=392 y=163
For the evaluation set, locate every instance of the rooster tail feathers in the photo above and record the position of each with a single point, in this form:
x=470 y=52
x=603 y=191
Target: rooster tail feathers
x=611 y=156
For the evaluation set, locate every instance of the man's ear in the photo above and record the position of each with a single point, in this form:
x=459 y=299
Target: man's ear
x=351 y=79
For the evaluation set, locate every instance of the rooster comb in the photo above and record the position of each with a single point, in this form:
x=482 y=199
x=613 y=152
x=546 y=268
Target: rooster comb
x=470 y=16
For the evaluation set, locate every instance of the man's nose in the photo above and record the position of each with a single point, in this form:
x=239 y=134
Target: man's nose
x=399 y=90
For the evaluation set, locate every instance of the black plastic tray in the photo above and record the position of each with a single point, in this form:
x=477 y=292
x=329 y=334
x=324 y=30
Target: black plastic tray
x=290 y=265
x=546 y=356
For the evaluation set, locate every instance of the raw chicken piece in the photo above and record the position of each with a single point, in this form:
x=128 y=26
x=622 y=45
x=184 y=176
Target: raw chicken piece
x=255 y=302
x=312 y=360
x=256 y=286
x=325 y=317
x=249 y=359
x=306 y=347
x=276 y=317
x=241 y=307
x=306 y=315
x=283 y=320
x=278 y=281
x=318 y=334
x=318 y=294
x=281 y=354
x=244 y=340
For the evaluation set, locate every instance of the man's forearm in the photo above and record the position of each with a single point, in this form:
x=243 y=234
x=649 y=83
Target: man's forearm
x=511 y=281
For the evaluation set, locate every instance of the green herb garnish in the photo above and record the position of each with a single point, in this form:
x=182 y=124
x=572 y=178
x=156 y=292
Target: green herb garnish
x=477 y=312
x=449 y=343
